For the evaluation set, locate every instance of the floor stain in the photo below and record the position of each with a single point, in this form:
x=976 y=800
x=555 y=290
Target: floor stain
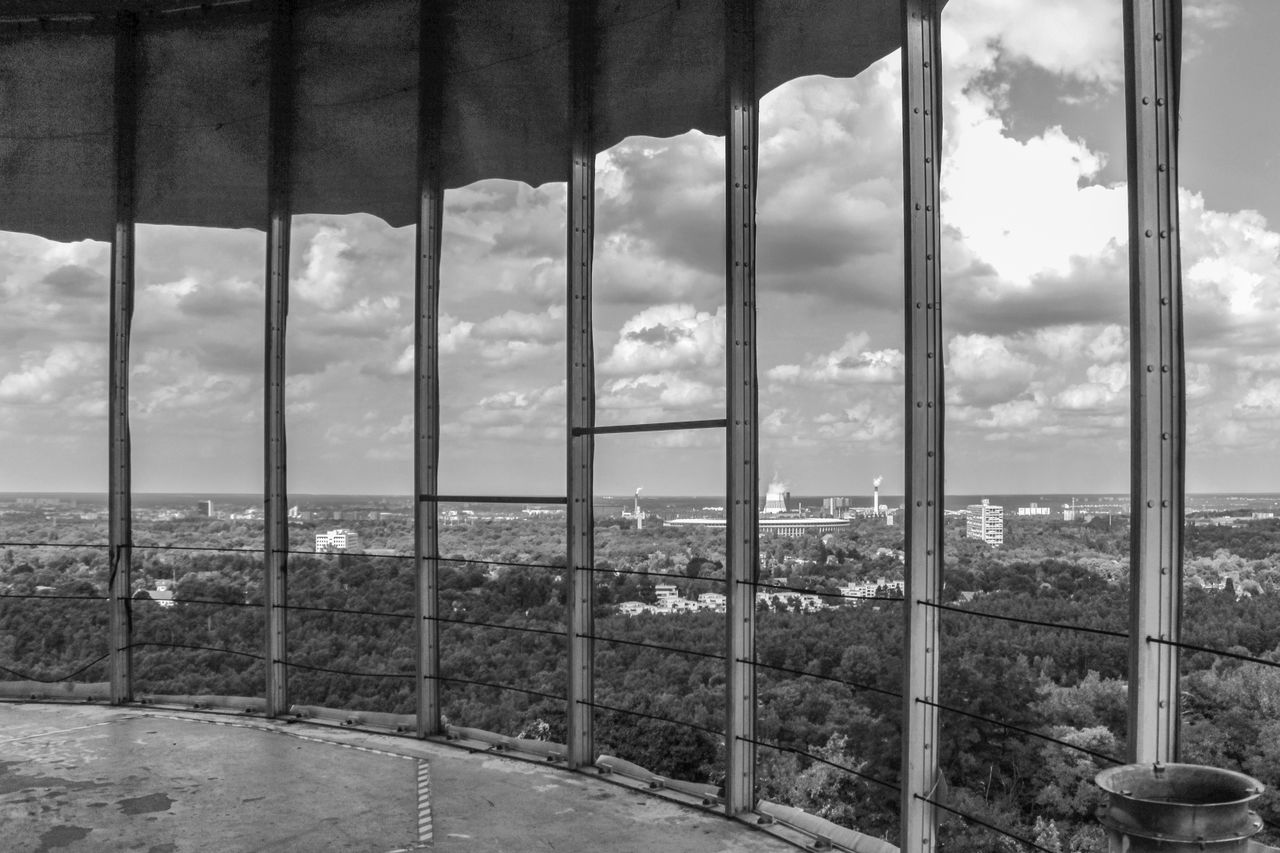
x=143 y=805
x=61 y=836
x=11 y=782
x=163 y=848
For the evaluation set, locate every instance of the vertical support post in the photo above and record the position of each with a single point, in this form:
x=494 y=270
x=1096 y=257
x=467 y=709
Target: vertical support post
x=742 y=542
x=581 y=387
x=921 y=146
x=1152 y=66
x=279 y=220
x=426 y=350
x=119 y=479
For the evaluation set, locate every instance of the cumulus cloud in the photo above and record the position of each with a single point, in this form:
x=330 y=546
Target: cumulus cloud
x=46 y=377
x=654 y=395
x=667 y=337
x=982 y=369
x=852 y=363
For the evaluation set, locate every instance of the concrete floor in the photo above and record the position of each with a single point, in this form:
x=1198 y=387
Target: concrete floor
x=91 y=778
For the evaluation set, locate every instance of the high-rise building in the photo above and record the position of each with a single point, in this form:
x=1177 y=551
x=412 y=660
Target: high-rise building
x=986 y=522
x=204 y=508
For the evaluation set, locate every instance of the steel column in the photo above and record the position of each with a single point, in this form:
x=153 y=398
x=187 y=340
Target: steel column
x=119 y=479
x=921 y=146
x=1152 y=66
x=426 y=353
x=742 y=543
x=581 y=387
x=279 y=220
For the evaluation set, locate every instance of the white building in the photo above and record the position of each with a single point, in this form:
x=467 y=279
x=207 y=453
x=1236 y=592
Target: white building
x=337 y=540
x=986 y=522
x=1034 y=509
x=712 y=601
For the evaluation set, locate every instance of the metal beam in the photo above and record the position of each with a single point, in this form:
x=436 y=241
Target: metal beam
x=279 y=220
x=921 y=145
x=742 y=543
x=1152 y=66
x=119 y=479
x=426 y=386
x=581 y=387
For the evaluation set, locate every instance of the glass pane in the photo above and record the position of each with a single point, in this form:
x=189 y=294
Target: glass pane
x=53 y=426
x=1035 y=327
x=502 y=328
x=1229 y=211
x=660 y=599
x=658 y=288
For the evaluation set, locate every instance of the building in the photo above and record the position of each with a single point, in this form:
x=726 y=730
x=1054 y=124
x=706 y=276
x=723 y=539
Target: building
x=835 y=507
x=986 y=522
x=1034 y=509
x=204 y=509
x=777 y=500
x=776 y=519
x=333 y=541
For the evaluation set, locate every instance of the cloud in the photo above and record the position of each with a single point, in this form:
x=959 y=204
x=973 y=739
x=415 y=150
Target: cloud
x=982 y=370
x=667 y=337
x=849 y=364
x=43 y=378
x=655 y=395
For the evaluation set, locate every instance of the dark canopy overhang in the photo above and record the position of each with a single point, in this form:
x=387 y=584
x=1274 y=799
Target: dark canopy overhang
x=202 y=97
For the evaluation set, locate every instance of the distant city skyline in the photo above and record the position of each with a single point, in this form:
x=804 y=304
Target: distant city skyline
x=1035 y=318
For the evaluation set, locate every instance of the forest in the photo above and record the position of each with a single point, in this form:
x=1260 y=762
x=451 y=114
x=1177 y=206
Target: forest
x=1031 y=706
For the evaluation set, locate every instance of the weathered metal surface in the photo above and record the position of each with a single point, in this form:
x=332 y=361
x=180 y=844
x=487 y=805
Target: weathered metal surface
x=279 y=220
x=119 y=478
x=426 y=386
x=921 y=147
x=581 y=387
x=741 y=489
x=1171 y=807
x=1152 y=45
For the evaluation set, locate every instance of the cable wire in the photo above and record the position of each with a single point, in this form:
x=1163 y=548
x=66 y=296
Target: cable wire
x=854 y=684
x=673 y=649
x=629 y=712
x=157 y=643
x=24 y=676
x=94 y=545
x=357 y=673
x=136 y=547
x=498 y=563
x=983 y=823
x=347 y=554
x=497 y=687
x=1081 y=628
x=208 y=601
x=1102 y=755
x=656 y=575
x=350 y=611
x=836 y=765
x=55 y=597
x=822 y=594
x=1192 y=647
x=494 y=625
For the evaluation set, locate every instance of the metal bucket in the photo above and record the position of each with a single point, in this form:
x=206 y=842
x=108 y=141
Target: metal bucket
x=1176 y=807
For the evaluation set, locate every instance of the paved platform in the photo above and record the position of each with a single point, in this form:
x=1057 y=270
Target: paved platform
x=92 y=778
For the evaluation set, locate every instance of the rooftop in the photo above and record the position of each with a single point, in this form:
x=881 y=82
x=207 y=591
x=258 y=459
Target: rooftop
x=90 y=778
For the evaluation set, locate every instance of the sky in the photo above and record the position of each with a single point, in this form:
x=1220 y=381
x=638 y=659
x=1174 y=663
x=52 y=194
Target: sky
x=1035 y=307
